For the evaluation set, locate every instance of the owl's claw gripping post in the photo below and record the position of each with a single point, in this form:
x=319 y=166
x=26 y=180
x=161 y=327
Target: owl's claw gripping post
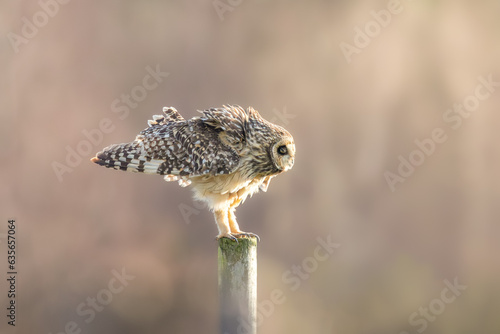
x=246 y=234
x=227 y=235
x=235 y=236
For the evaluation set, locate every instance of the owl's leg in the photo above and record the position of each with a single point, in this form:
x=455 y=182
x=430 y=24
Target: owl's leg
x=221 y=219
x=233 y=224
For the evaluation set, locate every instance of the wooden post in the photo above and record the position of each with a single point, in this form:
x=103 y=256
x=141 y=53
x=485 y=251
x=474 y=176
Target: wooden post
x=238 y=285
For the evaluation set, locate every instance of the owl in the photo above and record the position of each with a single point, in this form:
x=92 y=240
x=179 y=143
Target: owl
x=227 y=154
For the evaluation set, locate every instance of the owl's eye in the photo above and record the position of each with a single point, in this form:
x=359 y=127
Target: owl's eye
x=282 y=150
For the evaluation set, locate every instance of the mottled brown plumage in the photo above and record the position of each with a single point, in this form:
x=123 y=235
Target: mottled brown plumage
x=227 y=154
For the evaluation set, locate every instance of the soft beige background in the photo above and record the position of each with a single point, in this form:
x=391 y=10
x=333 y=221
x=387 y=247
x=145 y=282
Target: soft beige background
x=351 y=122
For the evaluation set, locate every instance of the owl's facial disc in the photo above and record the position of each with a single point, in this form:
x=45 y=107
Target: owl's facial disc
x=283 y=153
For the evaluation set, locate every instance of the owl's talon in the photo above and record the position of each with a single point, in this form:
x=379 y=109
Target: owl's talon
x=235 y=235
x=227 y=235
x=246 y=234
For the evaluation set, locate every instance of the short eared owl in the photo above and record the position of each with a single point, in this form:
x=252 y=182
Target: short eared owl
x=226 y=154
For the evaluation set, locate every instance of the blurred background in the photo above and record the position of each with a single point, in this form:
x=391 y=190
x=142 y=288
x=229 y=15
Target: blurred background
x=355 y=82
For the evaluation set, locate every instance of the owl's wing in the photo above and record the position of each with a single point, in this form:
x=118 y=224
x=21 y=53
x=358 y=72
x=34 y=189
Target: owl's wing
x=231 y=120
x=180 y=149
x=190 y=148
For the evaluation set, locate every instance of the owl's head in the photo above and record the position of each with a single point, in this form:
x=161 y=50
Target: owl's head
x=272 y=148
x=283 y=153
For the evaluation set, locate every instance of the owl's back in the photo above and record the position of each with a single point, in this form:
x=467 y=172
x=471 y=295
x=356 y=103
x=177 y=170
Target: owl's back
x=175 y=147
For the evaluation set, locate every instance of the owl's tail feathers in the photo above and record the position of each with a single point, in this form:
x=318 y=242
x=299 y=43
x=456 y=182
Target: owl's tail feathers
x=121 y=156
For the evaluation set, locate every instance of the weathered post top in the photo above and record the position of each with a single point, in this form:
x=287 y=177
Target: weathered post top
x=238 y=285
